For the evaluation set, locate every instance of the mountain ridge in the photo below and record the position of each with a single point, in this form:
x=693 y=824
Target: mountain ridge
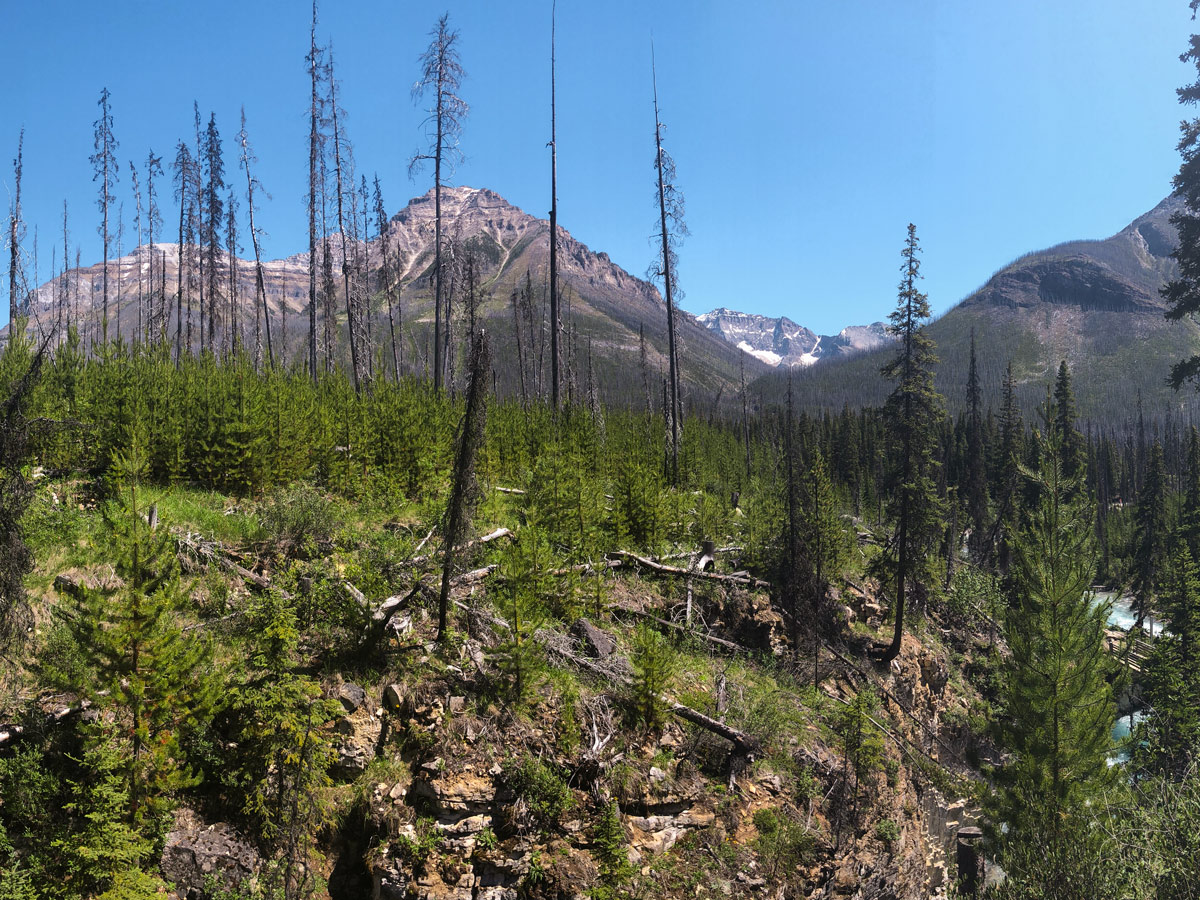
x=1093 y=303
x=778 y=341
x=605 y=309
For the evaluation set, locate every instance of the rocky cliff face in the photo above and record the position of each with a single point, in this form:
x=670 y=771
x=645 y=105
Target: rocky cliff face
x=780 y=342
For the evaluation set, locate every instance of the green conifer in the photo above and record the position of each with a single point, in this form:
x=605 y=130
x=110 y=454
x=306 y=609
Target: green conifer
x=911 y=415
x=1058 y=706
x=152 y=674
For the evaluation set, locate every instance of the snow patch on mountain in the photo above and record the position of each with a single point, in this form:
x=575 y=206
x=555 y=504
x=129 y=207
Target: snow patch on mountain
x=782 y=342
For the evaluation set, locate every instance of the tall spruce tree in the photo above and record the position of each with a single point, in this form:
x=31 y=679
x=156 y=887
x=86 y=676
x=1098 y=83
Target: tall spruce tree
x=974 y=490
x=441 y=74
x=1182 y=293
x=214 y=184
x=1170 y=740
x=911 y=416
x=1009 y=450
x=1150 y=519
x=1073 y=454
x=1058 y=703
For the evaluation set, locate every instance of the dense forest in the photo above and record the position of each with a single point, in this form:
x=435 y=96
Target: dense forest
x=291 y=619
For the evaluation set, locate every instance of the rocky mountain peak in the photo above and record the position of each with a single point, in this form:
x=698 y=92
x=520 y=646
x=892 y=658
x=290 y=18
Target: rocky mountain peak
x=778 y=341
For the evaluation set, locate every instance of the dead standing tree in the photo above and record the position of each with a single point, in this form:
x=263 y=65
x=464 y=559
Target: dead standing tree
x=158 y=318
x=671 y=231
x=16 y=231
x=340 y=167
x=315 y=151
x=555 y=324
x=262 y=315
x=104 y=162
x=441 y=72
x=387 y=274
x=463 y=489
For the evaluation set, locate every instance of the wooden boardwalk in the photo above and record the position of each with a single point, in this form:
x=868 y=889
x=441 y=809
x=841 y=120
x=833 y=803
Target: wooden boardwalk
x=1131 y=648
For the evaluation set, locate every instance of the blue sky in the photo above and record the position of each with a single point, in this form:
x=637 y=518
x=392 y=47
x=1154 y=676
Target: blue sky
x=806 y=135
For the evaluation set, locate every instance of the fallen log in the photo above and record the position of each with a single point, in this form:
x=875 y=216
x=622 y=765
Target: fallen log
x=12 y=733
x=743 y=744
x=211 y=551
x=675 y=571
x=486 y=539
x=712 y=639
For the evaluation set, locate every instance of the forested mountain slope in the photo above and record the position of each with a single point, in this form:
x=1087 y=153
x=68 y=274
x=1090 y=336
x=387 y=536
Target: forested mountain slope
x=1093 y=303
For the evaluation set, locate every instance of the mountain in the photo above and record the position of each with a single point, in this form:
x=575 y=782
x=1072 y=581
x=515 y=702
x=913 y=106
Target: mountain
x=1094 y=303
x=781 y=342
x=603 y=307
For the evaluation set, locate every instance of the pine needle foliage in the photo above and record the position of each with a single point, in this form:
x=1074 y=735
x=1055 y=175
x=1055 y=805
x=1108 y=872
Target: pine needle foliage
x=912 y=416
x=1059 y=707
x=155 y=677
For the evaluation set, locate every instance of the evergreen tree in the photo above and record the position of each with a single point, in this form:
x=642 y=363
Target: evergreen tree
x=1189 y=520
x=1150 y=518
x=1072 y=446
x=1171 y=685
x=911 y=416
x=283 y=752
x=824 y=543
x=1058 y=705
x=974 y=489
x=1182 y=293
x=153 y=675
x=1009 y=450
x=19 y=372
x=523 y=591
x=214 y=184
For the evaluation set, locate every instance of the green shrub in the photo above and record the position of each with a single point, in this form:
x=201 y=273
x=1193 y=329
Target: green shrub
x=417 y=851
x=542 y=789
x=608 y=845
x=782 y=844
x=296 y=516
x=654 y=664
x=888 y=832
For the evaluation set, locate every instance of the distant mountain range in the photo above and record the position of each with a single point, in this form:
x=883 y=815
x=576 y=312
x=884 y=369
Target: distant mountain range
x=605 y=310
x=781 y=342
x=1093 y=303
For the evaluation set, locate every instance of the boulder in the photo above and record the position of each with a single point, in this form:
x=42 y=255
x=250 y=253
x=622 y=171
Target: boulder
x=397 y=701
x=352 y=696
x=596 y=643
x=195 y=852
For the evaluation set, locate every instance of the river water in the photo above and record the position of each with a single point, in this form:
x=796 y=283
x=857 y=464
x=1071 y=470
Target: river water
x=1122 y=615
